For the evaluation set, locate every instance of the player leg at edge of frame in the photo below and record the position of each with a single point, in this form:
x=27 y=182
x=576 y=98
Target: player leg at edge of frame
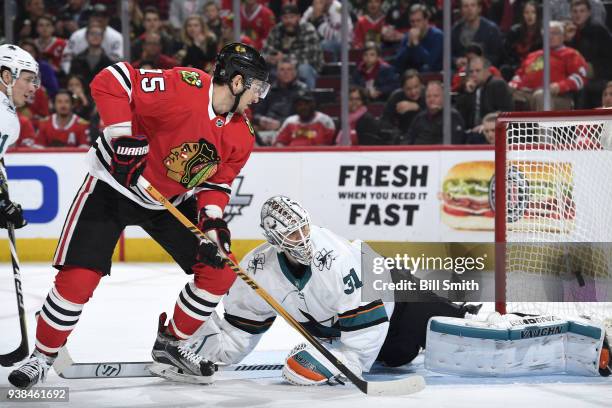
x=317 y=274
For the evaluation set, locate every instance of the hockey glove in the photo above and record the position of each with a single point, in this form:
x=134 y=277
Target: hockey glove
x=129 y=159
x=10 y=212
x=216 y=229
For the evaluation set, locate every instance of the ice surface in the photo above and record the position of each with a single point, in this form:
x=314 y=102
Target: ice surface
x=119 y=324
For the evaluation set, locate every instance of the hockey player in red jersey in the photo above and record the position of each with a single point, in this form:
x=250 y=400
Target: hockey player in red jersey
x=186 y=133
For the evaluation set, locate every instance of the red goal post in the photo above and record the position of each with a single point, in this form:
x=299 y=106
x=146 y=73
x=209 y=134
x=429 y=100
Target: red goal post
x=551 y=217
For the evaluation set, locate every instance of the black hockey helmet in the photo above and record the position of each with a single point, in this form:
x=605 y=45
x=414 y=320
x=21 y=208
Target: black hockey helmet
x=238 y=58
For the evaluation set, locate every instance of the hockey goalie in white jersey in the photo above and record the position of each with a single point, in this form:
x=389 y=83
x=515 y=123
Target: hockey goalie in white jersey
x=316 y=276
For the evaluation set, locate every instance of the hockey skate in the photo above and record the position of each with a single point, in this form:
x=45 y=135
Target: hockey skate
x=175 y=361
x=32 y=371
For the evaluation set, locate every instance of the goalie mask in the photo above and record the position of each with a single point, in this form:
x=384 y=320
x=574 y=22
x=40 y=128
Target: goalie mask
x=286 y=225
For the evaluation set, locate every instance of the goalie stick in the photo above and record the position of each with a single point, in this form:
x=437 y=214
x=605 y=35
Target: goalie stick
x=22 y=351
x=65 y=367
x=404 y=386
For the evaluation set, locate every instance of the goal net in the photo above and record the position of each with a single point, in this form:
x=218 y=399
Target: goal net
x=553 y=200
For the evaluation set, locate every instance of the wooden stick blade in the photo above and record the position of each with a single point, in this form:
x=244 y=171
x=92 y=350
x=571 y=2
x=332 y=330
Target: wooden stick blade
x=404 y=386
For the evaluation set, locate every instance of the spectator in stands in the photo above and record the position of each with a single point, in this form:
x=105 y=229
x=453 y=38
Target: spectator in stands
x=326 y=17
x=26 y=131
x=426 y=128
x=484 y=94
x=152 y=24
x=212 y=17
x=24 y=23
x=377 y=77
x=181 y=9
x=606 y=97
x=523 y=38
x=474 y=28
x=49 y=46
x=594 y=42
x=112 y=40
x=93 y=59
x=63 y=128
x=308 y=127
x=136 y=16
x=48 y=79
x=298 y=40
x=200 y=44
x=369 y=26
x=271 y=112
x=152 y=53
x=364 y=127
x=560 y=10
x=82 y=102
x=421 y=48
x=487 y=134
x=568 y=71
x=71 y=17
x=404 y=104
x=460 y=77
x=397 y=22
x=256 y=21
x=227 y=33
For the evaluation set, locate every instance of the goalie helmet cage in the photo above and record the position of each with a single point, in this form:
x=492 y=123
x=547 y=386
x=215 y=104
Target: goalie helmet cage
x=553 y=213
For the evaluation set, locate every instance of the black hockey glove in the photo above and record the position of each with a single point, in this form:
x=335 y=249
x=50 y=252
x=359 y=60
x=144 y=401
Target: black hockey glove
x=129 y=159
x=10 y=212
x=208 y=255
x=216 y=229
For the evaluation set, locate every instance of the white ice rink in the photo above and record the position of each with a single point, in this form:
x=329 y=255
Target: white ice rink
x=119 y=324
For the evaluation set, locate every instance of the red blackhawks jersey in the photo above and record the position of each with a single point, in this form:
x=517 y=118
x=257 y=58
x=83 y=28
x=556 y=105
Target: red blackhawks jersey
x=53 y=52
x=192 y=149
x=317 y=132
x=74 y=134
x=368 y=29
x=258 y=24
x=567 y=68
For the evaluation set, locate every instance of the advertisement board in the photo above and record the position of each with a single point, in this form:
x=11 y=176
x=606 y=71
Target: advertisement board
x=391 y=195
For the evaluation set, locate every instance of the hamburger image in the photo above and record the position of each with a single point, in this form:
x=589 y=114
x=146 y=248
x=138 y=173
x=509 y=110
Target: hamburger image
x=540 y=196
x=465 y=196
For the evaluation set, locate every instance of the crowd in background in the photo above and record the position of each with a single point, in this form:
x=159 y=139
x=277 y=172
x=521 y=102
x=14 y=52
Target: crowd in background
x=396 y=94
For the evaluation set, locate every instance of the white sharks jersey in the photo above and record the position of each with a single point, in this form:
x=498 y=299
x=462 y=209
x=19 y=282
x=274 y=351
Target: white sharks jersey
x=9 y=124
x=326 y=300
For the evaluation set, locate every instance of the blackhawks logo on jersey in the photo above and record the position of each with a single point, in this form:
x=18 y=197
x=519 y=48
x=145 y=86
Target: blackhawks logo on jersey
x=192 y=163
x=192 y=78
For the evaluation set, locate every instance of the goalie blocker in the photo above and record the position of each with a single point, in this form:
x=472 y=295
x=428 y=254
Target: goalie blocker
x=514 y=345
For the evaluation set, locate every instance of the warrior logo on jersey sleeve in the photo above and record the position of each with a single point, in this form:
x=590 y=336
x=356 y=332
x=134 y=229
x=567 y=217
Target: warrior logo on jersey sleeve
x=192 y=163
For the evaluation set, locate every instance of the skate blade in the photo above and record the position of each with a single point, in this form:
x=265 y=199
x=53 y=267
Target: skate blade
x=171 y=373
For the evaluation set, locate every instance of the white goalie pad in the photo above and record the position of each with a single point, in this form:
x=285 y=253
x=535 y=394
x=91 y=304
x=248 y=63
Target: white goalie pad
x=513 y=346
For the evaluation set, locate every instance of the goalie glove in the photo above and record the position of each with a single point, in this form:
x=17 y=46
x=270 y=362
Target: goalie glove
x=129 y=159
x=306 y=366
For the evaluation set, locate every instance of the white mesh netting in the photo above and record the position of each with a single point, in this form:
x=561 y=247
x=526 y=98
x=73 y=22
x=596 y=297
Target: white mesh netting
x=559 y=217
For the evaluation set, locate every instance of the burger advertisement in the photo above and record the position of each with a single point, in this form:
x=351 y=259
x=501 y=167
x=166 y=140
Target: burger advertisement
x=539 y=196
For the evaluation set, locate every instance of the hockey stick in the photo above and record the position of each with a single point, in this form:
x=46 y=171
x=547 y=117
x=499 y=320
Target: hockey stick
x=22 y=351
x=65 y=367
x=398 y=387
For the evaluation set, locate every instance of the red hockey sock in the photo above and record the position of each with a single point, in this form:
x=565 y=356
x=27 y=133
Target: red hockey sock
x=199 y=298
x=63 y=305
